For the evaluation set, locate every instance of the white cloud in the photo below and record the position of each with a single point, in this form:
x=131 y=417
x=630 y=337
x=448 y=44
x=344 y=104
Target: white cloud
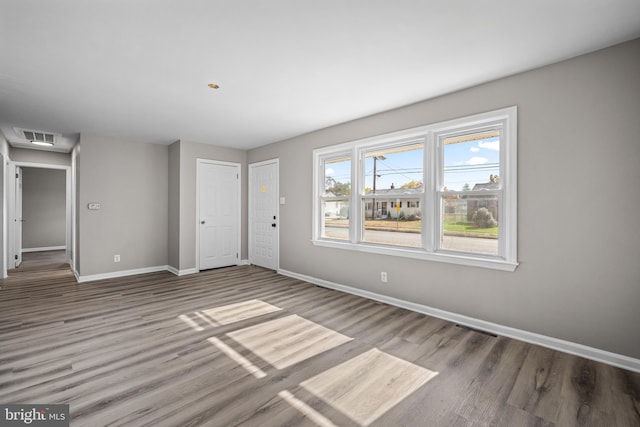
x=329 y=171
x=477 y=161
x=474 y=149
x=492 y=145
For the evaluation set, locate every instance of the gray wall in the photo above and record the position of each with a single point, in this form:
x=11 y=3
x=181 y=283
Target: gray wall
x=148 y=198
x=75 y=173
x=4 y=158
x=174 y=205
x=44 y=197
x=189 y=152
x=39 y=156
x=578 y=204
x=130 y=181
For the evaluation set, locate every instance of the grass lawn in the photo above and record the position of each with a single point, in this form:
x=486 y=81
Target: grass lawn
x=469 y=229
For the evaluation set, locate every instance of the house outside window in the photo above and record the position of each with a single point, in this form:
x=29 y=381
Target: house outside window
x=336 y=196
x=442 y=192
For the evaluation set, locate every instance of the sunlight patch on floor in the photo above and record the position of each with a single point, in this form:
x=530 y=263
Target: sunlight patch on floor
x=238 y=358
x=306 y=410
x=367 y=386
x=205 y=319
x=193 y=325
x=231 y=313
x=288 y=340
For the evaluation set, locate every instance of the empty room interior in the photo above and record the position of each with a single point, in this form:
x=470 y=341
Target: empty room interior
x=338 y=213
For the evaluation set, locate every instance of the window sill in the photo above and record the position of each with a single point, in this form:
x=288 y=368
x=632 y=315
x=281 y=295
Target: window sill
x=418 y=253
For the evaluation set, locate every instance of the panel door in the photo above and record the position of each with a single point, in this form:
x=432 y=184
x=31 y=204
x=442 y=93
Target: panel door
x=219 y=215
x=263 y=214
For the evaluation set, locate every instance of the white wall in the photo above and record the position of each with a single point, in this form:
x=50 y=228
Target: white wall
x=578 y=204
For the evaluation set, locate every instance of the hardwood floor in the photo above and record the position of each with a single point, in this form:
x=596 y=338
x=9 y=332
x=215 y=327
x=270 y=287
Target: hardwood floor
x=245 y=346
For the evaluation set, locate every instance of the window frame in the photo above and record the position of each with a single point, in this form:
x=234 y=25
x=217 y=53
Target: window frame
x=323 y=197
x=432 y=137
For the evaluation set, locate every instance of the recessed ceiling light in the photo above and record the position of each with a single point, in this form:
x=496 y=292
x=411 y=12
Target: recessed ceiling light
x=46 y=144
x=213 y=86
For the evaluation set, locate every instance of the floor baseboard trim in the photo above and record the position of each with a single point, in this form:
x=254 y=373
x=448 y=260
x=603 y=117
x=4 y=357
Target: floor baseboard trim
x=43 y=249
x=613 y=359
x=123 y=273
x=182 y=272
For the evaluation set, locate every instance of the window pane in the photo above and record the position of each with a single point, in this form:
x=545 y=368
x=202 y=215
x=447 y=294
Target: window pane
x=472 y=162
x=336 y=219
x=470 y=223
x=397 y=169
x=337 y=176
x=400 y=226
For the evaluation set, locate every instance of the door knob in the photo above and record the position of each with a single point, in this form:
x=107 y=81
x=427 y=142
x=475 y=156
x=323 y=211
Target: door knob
x=201 y=222
x=273 y=225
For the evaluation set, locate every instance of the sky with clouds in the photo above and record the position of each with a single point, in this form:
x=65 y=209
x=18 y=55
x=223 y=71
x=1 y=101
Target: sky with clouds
x=469 y=162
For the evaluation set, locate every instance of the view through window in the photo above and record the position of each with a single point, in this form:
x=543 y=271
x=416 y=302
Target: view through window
x=470 y=192
x=441 y=192
x=393 y=180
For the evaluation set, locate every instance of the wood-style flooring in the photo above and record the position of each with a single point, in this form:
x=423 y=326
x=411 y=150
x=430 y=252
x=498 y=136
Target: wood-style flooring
x=244 y=346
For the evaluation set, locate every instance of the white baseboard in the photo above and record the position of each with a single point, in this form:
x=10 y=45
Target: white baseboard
x=613 y=359
x=195 y=270
x=182 y=272
x=114 y=274
x=48 y=248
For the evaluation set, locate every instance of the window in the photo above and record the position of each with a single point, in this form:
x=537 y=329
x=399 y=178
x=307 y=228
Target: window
x=336 y=196
x=391 y=175
x=470 y=192
x=443 y=192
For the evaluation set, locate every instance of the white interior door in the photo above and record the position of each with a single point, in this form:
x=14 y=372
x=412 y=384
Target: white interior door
x=18 y=218
x=219 y=214
x=263 y=214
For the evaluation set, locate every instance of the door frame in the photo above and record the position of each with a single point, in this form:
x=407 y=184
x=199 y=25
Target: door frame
x=11 y=205
x=275 y=161
x=200 y=162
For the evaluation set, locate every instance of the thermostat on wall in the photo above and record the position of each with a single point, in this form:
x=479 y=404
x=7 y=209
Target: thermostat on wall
x=93 y=206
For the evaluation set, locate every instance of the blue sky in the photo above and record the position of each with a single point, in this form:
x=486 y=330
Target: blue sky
x=468 y=162
x=471 y=162
x=397 y=168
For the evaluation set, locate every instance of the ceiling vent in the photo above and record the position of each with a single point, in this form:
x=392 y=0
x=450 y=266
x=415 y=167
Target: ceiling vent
x=37 y=135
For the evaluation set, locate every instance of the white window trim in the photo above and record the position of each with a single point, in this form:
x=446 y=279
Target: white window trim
x=507 y=261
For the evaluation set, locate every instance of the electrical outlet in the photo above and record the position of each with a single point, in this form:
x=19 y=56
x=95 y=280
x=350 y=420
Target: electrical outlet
x=383 y=277
x=116 y=258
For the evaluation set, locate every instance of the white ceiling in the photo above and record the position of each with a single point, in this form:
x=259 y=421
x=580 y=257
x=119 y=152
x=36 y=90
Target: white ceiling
x=138 y=69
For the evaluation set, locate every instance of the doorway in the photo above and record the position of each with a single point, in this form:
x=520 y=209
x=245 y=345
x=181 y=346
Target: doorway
x=218 y=211
x=38 y=217
x=264 y=214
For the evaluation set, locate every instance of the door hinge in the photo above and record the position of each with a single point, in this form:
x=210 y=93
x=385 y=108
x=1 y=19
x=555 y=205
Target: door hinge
x=17 y=175
x=236 y=255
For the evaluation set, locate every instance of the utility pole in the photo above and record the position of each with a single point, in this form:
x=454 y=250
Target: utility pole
x=373 y=204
